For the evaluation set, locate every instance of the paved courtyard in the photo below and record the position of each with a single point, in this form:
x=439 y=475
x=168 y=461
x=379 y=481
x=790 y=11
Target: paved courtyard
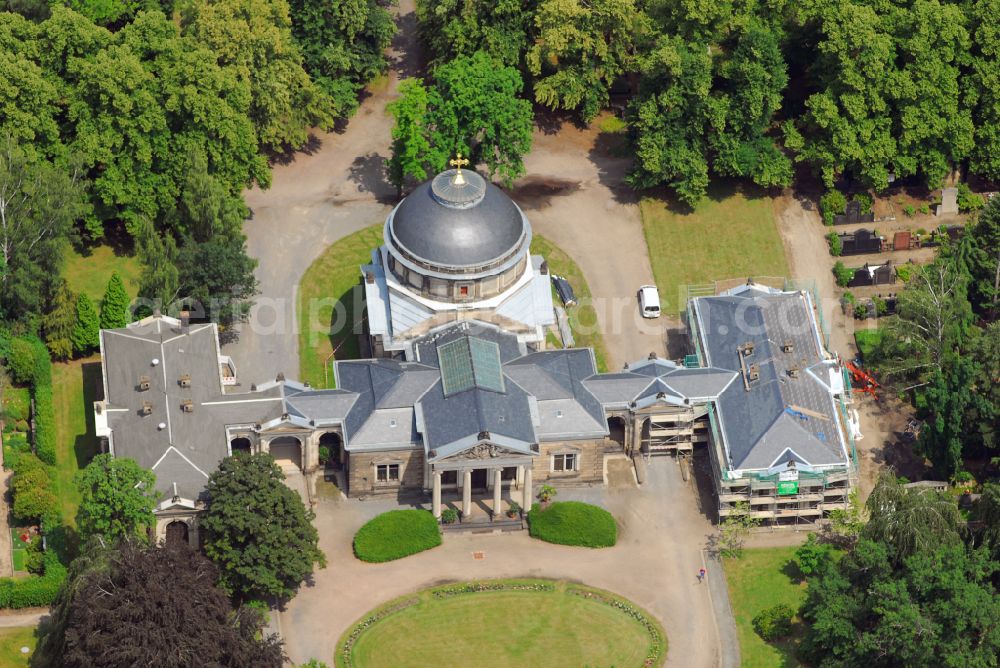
x=655 y=563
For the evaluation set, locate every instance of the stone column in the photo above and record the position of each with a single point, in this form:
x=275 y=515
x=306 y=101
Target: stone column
x=436 y=497
x=527 y=490
x=466 y=493
x=497 y=488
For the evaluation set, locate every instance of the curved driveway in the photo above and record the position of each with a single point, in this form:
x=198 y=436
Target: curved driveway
x=655 y=563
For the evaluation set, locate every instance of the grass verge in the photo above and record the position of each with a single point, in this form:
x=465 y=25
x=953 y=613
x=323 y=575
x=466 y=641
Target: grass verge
x=760 y=579
x=329 y=305
x=582 y=317
x=573 y=523
x=396 y=534
x=75 y=387
x=11 y=642
x=727 y=235
x=508 y=623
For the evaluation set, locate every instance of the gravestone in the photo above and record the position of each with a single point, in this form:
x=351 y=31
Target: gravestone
x=949 y=202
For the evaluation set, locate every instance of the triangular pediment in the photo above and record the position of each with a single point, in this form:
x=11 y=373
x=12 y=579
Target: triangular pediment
x=483 y=451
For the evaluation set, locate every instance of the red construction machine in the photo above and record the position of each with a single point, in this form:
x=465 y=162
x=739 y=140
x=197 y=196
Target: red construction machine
x=862 y=381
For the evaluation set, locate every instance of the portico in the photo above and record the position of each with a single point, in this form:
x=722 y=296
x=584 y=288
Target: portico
x=514 y=474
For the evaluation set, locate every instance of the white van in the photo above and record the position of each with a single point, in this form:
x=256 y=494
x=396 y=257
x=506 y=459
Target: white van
x=649 y=301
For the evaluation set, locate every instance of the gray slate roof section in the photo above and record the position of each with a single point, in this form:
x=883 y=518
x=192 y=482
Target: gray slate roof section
x=198 y=436
x=458 y=237
x=755 y=425
x=458 y=416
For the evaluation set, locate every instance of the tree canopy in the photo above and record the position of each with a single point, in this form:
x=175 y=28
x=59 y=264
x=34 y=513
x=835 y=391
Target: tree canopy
x=117 y=498
x=472 y=108
x=139 y=605
x=911 y=592
x=257 y=531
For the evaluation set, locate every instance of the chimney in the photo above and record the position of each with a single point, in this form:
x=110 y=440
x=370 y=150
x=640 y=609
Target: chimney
x=787 y=346
x=185 y=320
x=652 y=356
x=185 y=380
x=147 y=408
x=143 y=383
x=793 y=372
x=369 y=277
x=754 y=372
x=187 y=406
x=280 y=378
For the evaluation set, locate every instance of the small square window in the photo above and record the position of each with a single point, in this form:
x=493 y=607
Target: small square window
x=463 y=290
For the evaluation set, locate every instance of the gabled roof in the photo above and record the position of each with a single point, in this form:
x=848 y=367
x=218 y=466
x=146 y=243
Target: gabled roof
x=787 y=406
x=648 y=381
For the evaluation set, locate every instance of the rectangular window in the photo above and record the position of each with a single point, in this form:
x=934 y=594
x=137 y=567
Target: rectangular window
x=566 y=462
x=387 y=473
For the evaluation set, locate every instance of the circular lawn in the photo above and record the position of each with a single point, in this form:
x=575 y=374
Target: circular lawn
x=501 y=623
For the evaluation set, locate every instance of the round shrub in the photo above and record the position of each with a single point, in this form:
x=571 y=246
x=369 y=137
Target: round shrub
x=774 y=622
x=573 y=523
x=396 y=534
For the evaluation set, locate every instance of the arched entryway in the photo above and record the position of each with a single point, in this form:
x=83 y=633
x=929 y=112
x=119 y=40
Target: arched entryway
x=616 y=430
x=287 y=451
x=241 y=444
x=329 y=449
x=177 y=533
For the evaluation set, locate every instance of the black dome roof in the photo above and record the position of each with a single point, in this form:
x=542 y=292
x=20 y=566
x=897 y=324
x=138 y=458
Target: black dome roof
x=457 y=224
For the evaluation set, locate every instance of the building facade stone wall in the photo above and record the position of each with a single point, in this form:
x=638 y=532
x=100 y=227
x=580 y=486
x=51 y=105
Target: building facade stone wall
x=362 y=472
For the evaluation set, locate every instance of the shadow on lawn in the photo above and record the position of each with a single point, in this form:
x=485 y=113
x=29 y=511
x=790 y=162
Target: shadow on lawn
x=86 y=445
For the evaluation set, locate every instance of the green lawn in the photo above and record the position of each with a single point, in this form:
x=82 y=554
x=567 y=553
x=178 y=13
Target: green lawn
x=89 y=273
x=11 y=642
x=551 y=628
x=333 y=277
x=19 y=553
x=75 y=386
x=728 y=235
x=761 y=578
x=582 y=317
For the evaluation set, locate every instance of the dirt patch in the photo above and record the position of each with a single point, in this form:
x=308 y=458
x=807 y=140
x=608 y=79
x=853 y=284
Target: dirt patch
x=885 y=445
x=536 y=192
x=620 y=474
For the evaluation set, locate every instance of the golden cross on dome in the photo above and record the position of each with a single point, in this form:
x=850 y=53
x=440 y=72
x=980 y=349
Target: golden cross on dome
x=458 y=163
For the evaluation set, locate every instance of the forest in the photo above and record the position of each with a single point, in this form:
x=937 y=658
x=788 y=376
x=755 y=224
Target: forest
x=140 y=125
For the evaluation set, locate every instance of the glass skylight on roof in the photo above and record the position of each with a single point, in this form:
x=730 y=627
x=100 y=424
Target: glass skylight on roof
x=470 y=362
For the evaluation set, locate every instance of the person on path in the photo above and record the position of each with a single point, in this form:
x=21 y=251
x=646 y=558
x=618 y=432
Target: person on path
x=701 y=575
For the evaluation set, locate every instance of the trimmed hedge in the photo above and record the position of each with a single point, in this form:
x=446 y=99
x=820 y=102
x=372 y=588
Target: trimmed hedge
x=45 y=424
x=36 y=591
x=573 y=523
x=396 y=534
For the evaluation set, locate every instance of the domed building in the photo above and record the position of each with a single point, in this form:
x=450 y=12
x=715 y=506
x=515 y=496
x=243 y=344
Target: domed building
x=456 y=248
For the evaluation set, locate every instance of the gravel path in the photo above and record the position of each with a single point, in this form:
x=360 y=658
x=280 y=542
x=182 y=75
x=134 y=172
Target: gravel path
x=325 y=193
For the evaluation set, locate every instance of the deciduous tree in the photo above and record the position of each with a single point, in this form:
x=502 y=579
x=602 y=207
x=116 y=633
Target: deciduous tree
x=580 y=49
x=38 y=205
x=343 y=45
x=117 y=498
x=138 y=605
x=254 y=38
x=257 y=530
x=501 y=28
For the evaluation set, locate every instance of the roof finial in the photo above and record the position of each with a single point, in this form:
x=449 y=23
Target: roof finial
x=457 y=163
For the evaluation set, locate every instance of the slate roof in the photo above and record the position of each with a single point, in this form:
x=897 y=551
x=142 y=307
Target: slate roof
x=189 y=445
x=779 y=412
x=651 y=380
